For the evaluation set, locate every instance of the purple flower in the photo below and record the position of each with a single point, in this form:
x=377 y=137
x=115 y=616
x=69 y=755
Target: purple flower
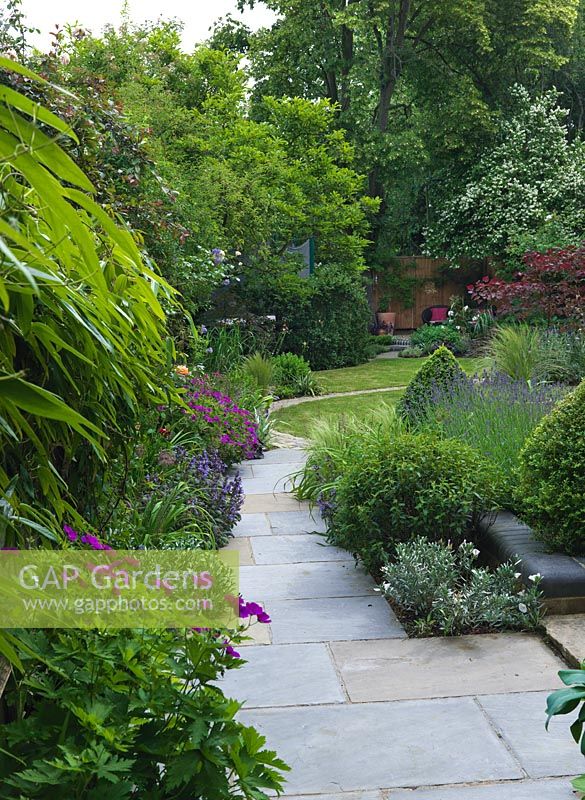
x=94 y=542
x=71 y=534
x=229 y=651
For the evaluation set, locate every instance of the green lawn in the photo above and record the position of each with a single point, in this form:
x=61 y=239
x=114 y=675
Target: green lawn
x=298 y=419
x=380 y=374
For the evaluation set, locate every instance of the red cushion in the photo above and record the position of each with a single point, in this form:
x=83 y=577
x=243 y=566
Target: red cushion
x=438 y=314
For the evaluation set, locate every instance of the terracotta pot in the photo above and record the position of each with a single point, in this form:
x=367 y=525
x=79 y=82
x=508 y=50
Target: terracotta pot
x=386 y=319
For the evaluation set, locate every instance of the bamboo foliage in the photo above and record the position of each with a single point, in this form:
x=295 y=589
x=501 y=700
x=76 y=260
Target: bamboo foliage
x=82 y=324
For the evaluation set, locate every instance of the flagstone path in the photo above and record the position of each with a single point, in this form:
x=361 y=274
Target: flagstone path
x=358 y=710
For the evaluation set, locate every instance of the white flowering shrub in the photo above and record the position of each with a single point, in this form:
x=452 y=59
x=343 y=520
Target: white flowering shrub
x=531 y=182
x=438 y=589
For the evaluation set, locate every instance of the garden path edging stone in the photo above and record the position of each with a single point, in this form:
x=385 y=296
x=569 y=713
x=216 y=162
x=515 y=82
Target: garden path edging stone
x=505 y=537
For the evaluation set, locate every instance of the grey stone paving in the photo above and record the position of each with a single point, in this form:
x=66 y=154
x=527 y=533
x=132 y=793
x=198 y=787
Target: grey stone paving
x=521 y=790
x=518 y=718
x=383 y=745
x=253 y=525
x=295 y=549
x=359 y=711
x=302 y=521
x=448 y=667
x=304 y=581
x=336 y=619
x=286 y=675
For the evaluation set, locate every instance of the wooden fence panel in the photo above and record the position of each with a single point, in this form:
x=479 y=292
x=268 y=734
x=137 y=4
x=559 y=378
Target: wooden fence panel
x=433 y=290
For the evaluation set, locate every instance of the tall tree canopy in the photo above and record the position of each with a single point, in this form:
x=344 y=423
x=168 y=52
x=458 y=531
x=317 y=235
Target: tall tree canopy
x=418 y=84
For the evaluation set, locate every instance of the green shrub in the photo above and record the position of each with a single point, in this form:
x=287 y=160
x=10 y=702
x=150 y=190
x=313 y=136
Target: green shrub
x=125 y=714
x=564 y=355
x=411 y=352
x=334 y=443
x=440 y=590
x=324 y=318
x=551 y=490
x=293 y=376
x=441 y=370
x=409 y=485
x=430 y=337
x=83 y=331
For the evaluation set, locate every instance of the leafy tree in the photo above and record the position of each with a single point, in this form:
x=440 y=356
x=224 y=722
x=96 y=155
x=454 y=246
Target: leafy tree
x=422 y=78
x=550 y=284
x=534 y=177
x=241 y=184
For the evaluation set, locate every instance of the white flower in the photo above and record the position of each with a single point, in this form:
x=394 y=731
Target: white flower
x=466 y=308
x=535 y=576
x=451 y=314
x=522 y=608
x=475 y=552
x=517 y=575
x=238 y=253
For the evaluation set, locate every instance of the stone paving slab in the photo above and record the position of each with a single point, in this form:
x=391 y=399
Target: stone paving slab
x=260 y=634
x=294 y=549
x=568 y=635
x=384 y=745
x=242 y=546
x=262 y=503
x=253 y=525
x=343 y=796
x=287 y=455
x=520 y=718
x=285 y=470
x=285 y=675
x=266 y=485
x=294 y=522
x=333 y=620
x=244 y=471
x=445 y=667
x=304 y=581
x=518 y=790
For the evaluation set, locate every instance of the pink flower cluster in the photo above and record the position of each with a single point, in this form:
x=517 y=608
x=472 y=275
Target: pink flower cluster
x=86 y=538
x=232 y=427
x=246 y=611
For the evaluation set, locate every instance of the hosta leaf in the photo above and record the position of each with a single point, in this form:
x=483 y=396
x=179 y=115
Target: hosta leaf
x=572 y=677
x=563 y=702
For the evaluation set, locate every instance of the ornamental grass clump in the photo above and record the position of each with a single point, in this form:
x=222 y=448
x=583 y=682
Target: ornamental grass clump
x=441 y=369
x=438 y=589
x=551 y=489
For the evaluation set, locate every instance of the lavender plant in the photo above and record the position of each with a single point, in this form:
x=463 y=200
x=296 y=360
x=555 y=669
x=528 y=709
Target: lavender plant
x=493 y=413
